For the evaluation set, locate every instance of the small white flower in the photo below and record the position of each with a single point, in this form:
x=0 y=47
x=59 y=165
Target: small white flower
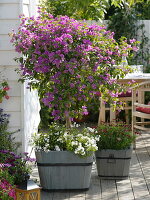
x=92 y=141
x=57 y=148
x=57 y=133
x=74 y=143
x=80 y=135
x=91 y=129
x=83 y=153
x=97 y=138
x=59 y=140
x=77 y=125
x=65 y=134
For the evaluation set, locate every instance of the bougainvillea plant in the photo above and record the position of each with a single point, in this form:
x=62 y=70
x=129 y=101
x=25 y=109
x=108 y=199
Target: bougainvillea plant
x=69 y=62
x=3 y=90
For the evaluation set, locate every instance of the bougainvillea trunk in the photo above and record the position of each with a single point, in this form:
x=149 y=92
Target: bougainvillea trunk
x=68 y=121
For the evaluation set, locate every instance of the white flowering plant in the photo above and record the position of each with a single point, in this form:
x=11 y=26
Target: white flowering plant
x=81 y=141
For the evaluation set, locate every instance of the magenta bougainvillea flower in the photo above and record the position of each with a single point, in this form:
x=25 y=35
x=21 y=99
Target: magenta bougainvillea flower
x=69 y=61
x=3 y=90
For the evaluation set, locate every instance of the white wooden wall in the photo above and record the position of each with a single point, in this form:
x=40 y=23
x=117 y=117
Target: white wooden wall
x=23 y=105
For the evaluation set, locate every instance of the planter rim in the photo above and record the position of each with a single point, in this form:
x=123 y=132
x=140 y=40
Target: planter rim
x=61 y=156
x=63 y=152
x=128 y=148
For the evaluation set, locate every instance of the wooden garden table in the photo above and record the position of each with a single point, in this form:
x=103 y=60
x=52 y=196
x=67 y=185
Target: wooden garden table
x=139 y=78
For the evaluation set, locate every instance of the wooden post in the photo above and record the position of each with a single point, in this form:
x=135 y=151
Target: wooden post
x=112 y=115
x=133 y=117
x=141 y=100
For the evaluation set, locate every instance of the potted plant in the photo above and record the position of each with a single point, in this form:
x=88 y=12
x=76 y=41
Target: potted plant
x=68 y=62
x=114 y=150
x=18 y=166
x=65 y=156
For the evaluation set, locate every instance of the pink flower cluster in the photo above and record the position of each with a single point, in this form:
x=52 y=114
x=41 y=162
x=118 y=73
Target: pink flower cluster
x=6 y=190
x=3 y=90
x=68 y=61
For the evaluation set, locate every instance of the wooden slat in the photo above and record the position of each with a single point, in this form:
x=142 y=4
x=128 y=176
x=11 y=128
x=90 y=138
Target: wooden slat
x=142 y=115
x=7 y=57
x=124 y=108
x=6 y=11
x=124 y=188
x=109 y=190
x=94 y=193
x=9 y=1
x=139 y=186
x=12 y=106
x=144 y=89
x=125 y=98
x=143 y=123
x=141 y=105
x=60 y=196
x=141 y=128
x=144 y=158
x=8 y=25
x=77 y=195
x=146 y=140
x=143 y=82
x=47 y=195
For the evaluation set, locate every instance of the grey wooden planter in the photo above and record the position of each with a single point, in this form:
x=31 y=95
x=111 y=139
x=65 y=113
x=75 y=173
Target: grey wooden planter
x=63 y=170
x=113 y=164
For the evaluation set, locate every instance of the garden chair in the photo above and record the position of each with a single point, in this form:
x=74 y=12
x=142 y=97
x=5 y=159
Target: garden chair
x=126 y=98
x=141 y=107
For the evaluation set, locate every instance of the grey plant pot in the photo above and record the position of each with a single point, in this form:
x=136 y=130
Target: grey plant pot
x=113 y=164
x=63 y=170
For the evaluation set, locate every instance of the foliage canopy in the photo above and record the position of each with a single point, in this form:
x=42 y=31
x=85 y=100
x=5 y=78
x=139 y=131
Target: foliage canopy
x=83 y=9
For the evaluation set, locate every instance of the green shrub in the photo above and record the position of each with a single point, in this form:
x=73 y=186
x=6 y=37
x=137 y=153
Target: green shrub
x=6 y=138
x=115 y=136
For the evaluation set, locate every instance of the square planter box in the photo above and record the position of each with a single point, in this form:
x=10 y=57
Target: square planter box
x=63 y=170
x=113 y=164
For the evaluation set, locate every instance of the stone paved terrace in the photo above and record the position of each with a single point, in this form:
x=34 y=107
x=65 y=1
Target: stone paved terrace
x=136 y=187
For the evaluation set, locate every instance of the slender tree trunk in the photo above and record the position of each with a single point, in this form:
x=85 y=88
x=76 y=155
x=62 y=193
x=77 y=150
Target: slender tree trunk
x=68 y=121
